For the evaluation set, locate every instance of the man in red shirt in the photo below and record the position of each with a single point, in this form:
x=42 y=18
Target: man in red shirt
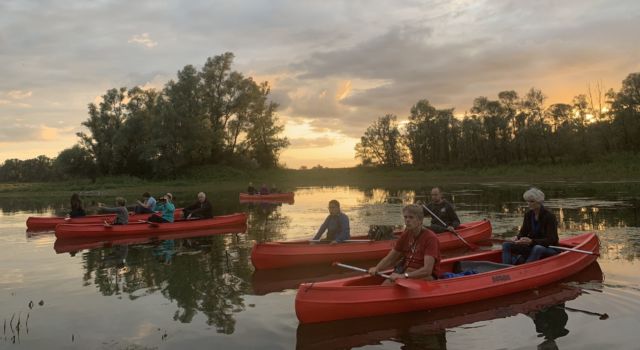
x=416 y=254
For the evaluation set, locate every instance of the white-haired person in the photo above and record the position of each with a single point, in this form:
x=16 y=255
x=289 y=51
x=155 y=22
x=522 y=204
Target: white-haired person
x=539 y=230
x=200 y=209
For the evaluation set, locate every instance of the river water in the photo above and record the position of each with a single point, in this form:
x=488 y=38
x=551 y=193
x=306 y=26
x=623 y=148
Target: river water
x=204 y=293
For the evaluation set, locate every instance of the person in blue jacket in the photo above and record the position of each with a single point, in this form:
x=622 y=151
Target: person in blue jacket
x=165 y=208
x=336 y=225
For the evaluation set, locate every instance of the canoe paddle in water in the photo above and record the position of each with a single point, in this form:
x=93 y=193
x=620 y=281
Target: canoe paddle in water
x=470 y=245
x=403 y=282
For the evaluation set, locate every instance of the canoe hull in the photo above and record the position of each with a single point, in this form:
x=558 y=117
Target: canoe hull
x=275 y=255
x=363 y=296
x=74 y=231
x=44 y=223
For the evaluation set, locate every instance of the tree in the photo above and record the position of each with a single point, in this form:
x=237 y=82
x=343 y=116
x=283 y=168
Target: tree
x=76 y=162
x=382 y=144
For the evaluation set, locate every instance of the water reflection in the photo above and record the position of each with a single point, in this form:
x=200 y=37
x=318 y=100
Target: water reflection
x=204 y=274
x=427 y=330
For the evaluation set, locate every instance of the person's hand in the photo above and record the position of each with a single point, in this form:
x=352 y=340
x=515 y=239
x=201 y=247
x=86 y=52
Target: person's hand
x=100 y=205
x=450 y=228
x=333 y=243
x=373 y=271
x=524 y=241
x=189 y=216
x=394 y=276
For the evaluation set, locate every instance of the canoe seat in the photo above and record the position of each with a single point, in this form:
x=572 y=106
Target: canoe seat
x=478 y=266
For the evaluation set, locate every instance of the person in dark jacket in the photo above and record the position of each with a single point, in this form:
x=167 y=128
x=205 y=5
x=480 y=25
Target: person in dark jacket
x=251 y=190
x=444 y=210
x=76 y=207
x=539 y=230
x=201 y=209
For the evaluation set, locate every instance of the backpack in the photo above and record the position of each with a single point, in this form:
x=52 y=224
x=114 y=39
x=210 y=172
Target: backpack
x=380 y=232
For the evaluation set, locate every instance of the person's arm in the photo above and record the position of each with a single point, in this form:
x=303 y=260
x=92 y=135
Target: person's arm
x=388 y=261
x=424 y=271
x=109 y=210
x=453 y=217
x=526 y=226
x=345 y=230
x=321 y=230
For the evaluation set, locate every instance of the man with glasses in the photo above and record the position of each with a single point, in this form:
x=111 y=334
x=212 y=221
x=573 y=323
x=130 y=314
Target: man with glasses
x=416 y=254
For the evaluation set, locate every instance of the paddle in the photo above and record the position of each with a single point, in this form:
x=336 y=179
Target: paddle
x=470 y=245
x=600 y=316
x=501 y=240
x=403 y=282
x=345 y=241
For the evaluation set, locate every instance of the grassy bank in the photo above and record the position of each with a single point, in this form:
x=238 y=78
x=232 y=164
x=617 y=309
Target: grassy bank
x=619 y=168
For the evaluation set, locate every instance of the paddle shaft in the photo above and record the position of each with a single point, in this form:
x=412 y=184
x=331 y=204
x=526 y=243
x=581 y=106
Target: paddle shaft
x=500 y=240
x=471 y=246
x=574 y=250
x=403 y=282
x=348 y=240
x=355 y=268
x=601 y=316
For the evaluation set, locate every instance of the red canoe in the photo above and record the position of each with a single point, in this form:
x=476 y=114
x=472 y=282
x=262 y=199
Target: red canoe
x=274 y=255
x=346 y=334
x=77 y=244
x=69 y=231
x=269 y=198
x=364 y=296
x=42 y=223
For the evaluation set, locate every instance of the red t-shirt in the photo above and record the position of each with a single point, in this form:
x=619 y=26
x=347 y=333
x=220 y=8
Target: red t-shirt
x=426 y=244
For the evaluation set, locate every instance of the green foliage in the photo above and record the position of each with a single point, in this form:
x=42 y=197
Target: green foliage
x=382 y=144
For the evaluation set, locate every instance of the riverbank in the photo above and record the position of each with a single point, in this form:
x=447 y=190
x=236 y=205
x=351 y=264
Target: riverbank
x=623 y=168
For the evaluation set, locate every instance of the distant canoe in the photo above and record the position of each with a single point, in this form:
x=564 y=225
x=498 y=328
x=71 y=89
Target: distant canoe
x=44 y=223
x=273 y=255
x=364 y=296
x=286 y=197
x=68 y=231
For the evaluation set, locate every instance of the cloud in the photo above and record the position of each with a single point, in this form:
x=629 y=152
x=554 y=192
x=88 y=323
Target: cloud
x=312 y=142
x=17 y=132
x=18 y=94
x=143 y=39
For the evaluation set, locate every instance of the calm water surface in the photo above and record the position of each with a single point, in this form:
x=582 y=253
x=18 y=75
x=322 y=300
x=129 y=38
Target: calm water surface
x=203 y=292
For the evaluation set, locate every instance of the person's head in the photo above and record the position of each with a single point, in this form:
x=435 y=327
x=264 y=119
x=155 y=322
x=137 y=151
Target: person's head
x=264 y=185
x=413 y=216
x=250 y=183
x=534 y=198
x=75 y=197
x=167 y=197
x=436 y=195
x=121 y=202
x=334 y=207
x=146 y=195
x=202 y=197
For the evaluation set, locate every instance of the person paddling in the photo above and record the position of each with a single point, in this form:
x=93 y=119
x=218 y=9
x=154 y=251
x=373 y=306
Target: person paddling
x=416 y=254
x=444 y=210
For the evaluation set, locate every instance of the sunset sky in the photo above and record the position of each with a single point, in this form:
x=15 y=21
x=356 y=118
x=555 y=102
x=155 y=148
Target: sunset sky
x=334 y=66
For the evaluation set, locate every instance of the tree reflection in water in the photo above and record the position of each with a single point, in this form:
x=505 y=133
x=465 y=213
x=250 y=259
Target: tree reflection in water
x=205 y=274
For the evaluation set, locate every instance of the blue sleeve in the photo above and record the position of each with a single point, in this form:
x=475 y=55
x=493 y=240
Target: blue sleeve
x=321 y=229
x=345 y=232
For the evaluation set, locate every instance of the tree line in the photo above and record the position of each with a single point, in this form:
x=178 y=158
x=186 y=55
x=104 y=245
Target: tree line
x=509 y=130
x=208 y=116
